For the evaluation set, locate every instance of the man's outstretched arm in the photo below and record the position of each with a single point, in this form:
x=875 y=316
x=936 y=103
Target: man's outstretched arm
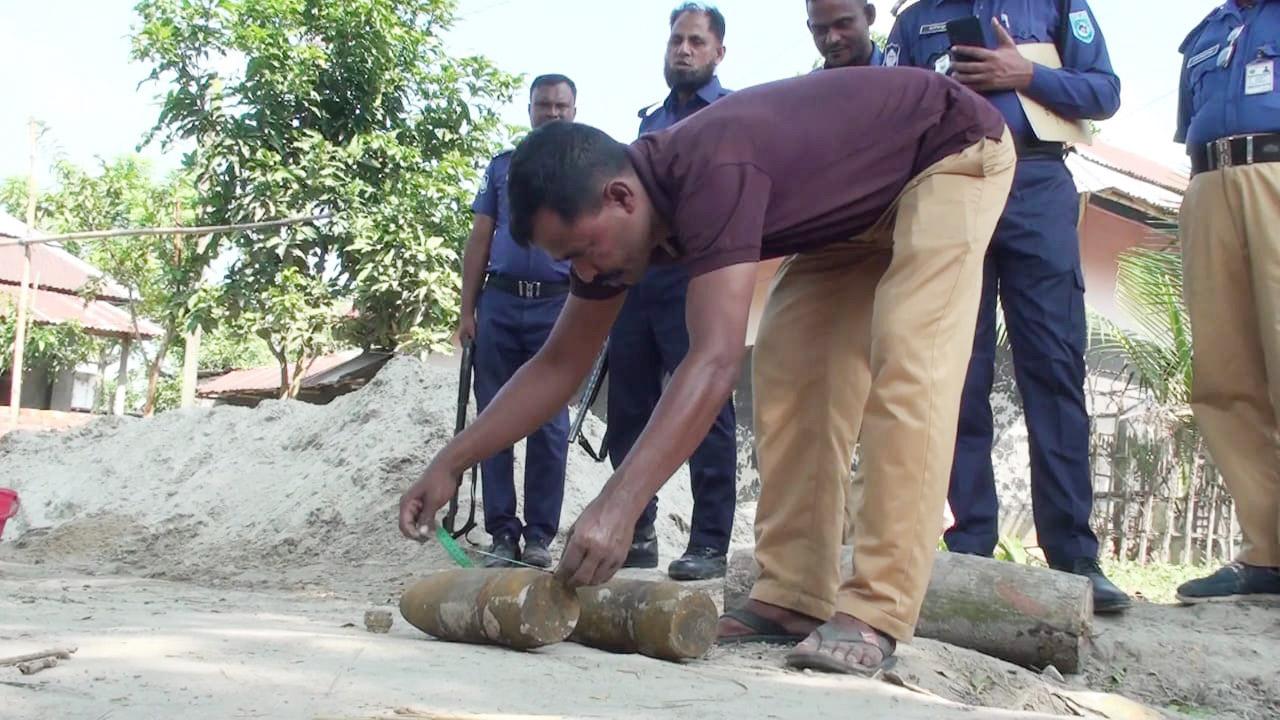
x=717 y=309
x=533 y=395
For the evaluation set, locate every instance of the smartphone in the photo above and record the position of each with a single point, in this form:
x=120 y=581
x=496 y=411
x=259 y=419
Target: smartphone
x=966 y=31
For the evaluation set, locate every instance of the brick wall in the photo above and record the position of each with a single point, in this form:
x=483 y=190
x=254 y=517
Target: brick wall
x=29 y=419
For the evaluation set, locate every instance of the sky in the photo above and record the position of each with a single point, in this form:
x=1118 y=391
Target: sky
x=66 y=63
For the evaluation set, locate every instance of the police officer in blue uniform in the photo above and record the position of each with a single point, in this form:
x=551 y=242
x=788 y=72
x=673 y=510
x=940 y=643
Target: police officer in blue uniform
x=841 y=31
x=1229 y=118
x=649 y=338
x=511 y=297
x=1033 y=265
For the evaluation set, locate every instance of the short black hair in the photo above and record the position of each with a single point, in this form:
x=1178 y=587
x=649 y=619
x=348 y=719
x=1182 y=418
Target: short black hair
x=715 y=18
x=559 y=167
x=551 y=80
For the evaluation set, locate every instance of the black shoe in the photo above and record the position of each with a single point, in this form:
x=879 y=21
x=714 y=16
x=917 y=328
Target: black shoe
x=698 y=564
x=504 y=548
x=537 y=554
x=1107 y=598
x=644 y=549
x=1232 y=582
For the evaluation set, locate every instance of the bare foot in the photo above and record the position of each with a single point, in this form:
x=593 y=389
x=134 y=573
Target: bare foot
x=845 y=644
x=792 y=622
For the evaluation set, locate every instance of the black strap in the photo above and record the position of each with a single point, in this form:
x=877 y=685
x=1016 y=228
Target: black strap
x=464 y=397
x=530 y=289
x=589 y=394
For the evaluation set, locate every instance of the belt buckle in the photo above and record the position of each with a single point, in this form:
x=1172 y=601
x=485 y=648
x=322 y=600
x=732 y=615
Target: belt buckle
x=530 y=289
x=1221 y=152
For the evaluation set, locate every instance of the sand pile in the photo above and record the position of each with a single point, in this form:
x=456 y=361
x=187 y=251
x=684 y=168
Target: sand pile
x=284 y=491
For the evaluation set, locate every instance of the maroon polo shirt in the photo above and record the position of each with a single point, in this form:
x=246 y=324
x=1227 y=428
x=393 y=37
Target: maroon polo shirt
x=794 y=165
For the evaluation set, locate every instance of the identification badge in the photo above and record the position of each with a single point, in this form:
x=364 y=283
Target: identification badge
x=1260 y=77
x=1200 y=57
x=933 y=29
x=891 y=55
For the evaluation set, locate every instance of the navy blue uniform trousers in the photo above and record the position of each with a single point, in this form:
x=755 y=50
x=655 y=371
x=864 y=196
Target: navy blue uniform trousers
x=509 y=330
x=649 y=339
x=1034 y=265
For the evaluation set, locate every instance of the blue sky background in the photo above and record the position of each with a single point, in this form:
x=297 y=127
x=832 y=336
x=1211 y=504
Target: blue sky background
x=66 y=62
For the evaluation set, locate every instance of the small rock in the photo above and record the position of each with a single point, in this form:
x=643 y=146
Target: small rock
x=377 y=621
x=1052 y=673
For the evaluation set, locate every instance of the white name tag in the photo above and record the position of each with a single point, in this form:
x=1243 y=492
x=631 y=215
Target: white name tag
x=1200 y=57
x=1260 y=77
x=933 y=29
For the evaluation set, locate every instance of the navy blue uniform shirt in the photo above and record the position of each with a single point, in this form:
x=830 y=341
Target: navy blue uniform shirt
x=671 y=112
x=505 y=256
x=1228 y=82
x=1085 y=87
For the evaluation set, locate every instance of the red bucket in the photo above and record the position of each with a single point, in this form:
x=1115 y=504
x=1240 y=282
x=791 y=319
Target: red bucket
x=8 y=506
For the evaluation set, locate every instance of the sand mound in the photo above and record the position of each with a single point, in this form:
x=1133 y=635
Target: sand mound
x=236 y=492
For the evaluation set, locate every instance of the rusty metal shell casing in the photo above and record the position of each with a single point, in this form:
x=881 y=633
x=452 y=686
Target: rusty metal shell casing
x=662 y=620
x=517 y=608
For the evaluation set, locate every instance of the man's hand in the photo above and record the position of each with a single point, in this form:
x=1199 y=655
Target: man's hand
x=466 y=331
x=598 y=543
x=993 y=70
x=420 y=503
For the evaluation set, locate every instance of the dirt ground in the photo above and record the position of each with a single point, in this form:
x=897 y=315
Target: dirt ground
x=296 y=648
x=218 y=562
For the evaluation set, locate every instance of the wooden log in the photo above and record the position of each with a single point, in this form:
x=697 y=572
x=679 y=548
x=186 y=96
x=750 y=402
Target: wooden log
x=663 y=620
x=518 y=608
x=1029 y=616
x=59 y=653
x=35 y=666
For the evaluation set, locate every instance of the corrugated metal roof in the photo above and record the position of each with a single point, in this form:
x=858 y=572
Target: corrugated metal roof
x=1136 y=166
x=98 y=317
x=267 y=379
x=52 y=266
x=1104 y=168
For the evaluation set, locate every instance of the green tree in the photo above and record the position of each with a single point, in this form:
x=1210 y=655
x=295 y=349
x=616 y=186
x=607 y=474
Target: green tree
x=161 y=273
x=310 y=106
x=56 y=347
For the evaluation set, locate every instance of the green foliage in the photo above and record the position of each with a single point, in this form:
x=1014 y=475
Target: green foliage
x=229 y=348
x=161 y=273
x=1158 y=350
x=354 y=108
x=56 y=347
x=1155 y=582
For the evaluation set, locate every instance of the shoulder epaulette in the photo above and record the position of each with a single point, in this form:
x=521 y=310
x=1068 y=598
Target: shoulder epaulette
x=897 y=7
x=1195 y=31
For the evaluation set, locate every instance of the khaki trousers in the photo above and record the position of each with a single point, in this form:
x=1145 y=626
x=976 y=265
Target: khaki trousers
x=884 y=322
x=1230 y=232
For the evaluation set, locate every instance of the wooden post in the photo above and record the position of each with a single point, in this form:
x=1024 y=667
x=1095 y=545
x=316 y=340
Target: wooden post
x=191 y=367
x=1189 y=513
x=1211 y=532
x=20 y=331
x=122 y=378
x=1235 y=532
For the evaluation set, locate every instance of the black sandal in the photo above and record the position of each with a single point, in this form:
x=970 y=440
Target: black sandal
x=763 y=630
x=825 y=662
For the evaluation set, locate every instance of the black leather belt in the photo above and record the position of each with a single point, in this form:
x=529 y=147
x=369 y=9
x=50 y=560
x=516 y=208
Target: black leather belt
x=1032 y=147
x=528 y=289
x=1236 y=150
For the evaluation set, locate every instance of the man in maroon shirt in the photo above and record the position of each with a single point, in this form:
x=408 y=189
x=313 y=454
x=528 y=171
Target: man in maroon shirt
x=885 y=185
